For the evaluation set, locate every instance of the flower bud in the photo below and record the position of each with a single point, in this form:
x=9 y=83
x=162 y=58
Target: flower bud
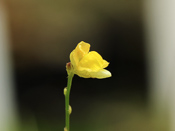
x=65 y=129
x=69 y=67
x=65 y=90
x=70 y=109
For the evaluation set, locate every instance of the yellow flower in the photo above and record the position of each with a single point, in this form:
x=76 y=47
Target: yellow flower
x=88 y=64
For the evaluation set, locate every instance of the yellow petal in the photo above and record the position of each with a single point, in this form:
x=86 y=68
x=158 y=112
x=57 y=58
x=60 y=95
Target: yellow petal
x=78 y=53
x=99 y=74
x=105 y=64
x=92 y=62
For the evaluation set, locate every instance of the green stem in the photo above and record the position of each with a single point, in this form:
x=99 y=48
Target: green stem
x=69 y=82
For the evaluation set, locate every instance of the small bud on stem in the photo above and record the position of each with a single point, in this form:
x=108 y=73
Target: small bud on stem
x=65 y=129
x=65 y=90
x=70 y=109
x=69 y=67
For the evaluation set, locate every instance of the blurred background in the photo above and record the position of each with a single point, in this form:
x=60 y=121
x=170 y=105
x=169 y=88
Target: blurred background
x=136 y=37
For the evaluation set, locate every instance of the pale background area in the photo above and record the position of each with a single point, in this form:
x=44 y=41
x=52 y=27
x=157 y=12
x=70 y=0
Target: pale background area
x=8 y=114
x=136 y=37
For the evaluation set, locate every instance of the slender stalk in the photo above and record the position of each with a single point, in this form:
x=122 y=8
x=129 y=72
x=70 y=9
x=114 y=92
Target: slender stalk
x=69 y=83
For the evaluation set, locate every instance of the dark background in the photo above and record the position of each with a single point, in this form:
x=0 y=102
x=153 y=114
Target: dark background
x=43 y=35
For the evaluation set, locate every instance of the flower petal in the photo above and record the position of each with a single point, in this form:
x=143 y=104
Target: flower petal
x=78 y=53
x=92 y=61
x=105 y=64
x=99 y=74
